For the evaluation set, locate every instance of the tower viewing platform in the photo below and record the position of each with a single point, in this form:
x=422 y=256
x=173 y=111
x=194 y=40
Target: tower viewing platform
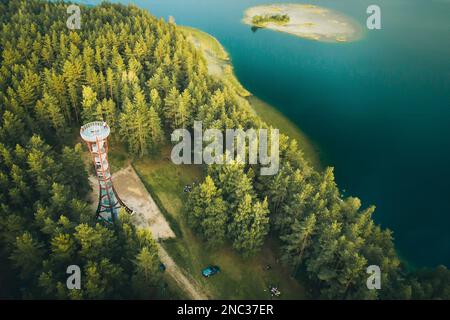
x=92 y=131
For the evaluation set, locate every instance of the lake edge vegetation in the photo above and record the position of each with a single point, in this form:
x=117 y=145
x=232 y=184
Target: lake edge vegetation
x=262 y=20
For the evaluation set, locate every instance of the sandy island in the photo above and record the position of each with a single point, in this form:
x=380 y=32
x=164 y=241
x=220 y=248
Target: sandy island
x=308 y=21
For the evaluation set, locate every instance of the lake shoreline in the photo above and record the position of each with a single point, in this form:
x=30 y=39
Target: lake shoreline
x=220 y=65
x=272 y=116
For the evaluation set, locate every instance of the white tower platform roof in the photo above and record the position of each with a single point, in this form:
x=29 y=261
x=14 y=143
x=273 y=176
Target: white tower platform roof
x=92 y=131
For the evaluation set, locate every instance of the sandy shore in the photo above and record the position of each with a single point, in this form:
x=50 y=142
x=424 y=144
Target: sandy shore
x=309 y=22
x=217 y=59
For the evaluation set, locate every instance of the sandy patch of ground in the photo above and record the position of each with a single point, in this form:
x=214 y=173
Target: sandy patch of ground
x=309 y=22
x=133 y=193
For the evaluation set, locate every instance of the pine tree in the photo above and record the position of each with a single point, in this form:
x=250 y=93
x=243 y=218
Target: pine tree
x=50 y=114
x=41 y=165
x=77 y=177
x=146 y=276
x=249 y=225
x=140 y=126
x=89 y=104
x=72 y=71
x=27 y=255
x=103 y=280
x=63 y=247
x=109 y=113
x=206 y=212
x=170 y=107
x=95 y=243
x=322 y=260
x=214 y=222
x=12 y=131
x=298 y=241
x=233 y=181
x=110 y=82
x=11 y=227
x=155 y=100
x=28 y=89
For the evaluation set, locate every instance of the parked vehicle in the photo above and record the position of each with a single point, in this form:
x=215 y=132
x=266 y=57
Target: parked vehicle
x=210 y=271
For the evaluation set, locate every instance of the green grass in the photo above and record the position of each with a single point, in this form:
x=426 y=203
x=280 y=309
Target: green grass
x=207 y=41
x=118 y=156
x=240 y=278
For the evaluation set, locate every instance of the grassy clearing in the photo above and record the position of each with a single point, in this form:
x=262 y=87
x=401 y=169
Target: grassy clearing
x=206 y=41
x=118 y=156
x=240 y=278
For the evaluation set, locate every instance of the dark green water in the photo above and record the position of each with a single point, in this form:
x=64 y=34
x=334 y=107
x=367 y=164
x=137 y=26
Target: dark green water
x=379 y=108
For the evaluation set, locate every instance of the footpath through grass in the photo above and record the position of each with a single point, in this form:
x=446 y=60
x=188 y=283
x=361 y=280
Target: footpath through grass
x=240 y=278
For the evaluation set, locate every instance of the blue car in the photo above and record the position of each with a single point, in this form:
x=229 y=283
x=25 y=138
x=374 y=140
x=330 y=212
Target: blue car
x=210 y=271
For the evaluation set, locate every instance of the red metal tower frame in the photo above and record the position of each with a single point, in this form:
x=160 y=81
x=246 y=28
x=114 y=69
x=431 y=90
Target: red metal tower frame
x=95 y=135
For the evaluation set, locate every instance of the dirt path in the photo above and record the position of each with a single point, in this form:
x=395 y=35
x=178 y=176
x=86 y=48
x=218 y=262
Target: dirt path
x=187 y=283
x=147 y=215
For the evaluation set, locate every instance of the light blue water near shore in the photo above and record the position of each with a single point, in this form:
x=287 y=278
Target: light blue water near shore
x=379 y=108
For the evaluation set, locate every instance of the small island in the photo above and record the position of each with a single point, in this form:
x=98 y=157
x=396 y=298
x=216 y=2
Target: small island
x=305 y=21
x=279 y=19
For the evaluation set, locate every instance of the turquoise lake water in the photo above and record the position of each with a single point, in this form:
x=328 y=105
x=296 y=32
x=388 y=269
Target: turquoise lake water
x=378 y=109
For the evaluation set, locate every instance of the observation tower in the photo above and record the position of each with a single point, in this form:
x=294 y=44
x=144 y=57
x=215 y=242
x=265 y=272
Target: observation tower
x=95 y=134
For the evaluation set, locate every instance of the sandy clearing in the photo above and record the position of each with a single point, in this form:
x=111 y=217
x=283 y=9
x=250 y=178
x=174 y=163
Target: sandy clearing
x=133 y=193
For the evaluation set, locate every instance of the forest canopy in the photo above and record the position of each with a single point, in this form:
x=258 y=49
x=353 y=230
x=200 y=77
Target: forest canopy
x=142 y=76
